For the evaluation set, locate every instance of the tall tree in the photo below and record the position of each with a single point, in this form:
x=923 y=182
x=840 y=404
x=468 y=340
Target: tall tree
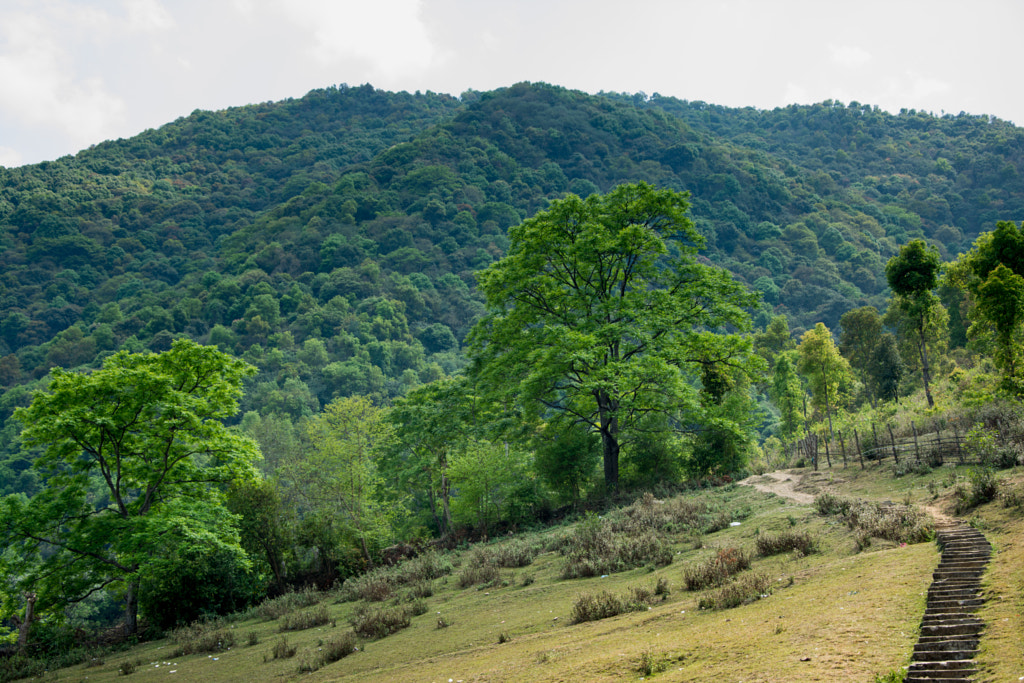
x=336 y=481
x=992 y=273
x=601 y=311
x=787 y=394
x=825 y=368
x=860 y=331
x=912 y=275
x=885 y=369
x=133 y=454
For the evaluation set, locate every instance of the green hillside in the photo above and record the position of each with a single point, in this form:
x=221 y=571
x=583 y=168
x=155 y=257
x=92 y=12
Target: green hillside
x=264 y=349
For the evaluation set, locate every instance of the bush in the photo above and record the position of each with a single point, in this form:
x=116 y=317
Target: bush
x=981 y=487
x=896 y=523
x=374 y=623
x=800 y=541
x=276 y=608
x=201 y=637
x=282 y=650
x=595 y=550
x=513 y=554
x=741 y=591
x=300 y=621
x=591 y=607
x=725 y=563
x=339 y=647
x=829 y=503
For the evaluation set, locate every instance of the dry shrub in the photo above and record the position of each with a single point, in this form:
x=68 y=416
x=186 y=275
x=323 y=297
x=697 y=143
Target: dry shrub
x=514 y=554
x=592 y=607
x=896 y=523
x=282 y=650
x=276 y=608
x=373 y=623
x=425 y=567
x=300 y=621
x=741 y=591
x=595 y=550
x=831 y=503
x=339 y=647
x=800 y=541
x=380 y=584
x=201 y=637
x=717 y=569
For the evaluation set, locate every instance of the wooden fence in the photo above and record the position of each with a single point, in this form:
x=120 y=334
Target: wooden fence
x=936 y=447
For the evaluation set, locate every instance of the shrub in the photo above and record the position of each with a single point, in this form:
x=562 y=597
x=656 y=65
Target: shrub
x=374 y=623
x=981 y=487
x=514 y=554
x=282 y=650
x=127 y=667
x=300 y=621
x=201 y=637
x=829 y=503
x=479 y=574
x=275 y=608
x=606 y=554
x=592 y=607
x=339 y=647
x=741 y=591
x=725 y=563
x=800 y=541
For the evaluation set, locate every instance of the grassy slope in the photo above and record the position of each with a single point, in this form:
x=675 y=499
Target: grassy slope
x=847 y=615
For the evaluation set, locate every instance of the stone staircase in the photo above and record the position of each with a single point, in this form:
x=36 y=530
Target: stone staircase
x=949 y=630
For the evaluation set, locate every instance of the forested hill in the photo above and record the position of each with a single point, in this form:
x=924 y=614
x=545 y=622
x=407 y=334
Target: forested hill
x=332 y=240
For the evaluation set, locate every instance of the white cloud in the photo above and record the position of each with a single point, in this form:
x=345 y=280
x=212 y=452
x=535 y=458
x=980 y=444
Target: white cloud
x=40 y=88
x=389 y=34
x=922 y=87
x=147 y=15
x=849 y=56
x=795 y=94
x=10 y=157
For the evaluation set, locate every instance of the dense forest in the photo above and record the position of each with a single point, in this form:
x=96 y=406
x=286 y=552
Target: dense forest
x=350 y=263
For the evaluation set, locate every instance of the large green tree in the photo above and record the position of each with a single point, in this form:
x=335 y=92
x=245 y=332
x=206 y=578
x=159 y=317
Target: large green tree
x=912 y=275
x=824 y=367
x=133 y=455
x=601 y=312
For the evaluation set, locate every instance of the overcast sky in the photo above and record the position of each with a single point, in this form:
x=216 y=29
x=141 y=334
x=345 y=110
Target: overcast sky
x=76 y=72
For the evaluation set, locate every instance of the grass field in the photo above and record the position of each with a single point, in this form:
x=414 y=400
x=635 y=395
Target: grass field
x=848 y=611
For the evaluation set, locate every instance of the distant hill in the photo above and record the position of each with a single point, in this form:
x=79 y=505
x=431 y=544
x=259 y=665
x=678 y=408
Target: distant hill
x=332 y=240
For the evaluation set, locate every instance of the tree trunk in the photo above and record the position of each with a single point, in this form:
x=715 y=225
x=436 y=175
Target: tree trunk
x=23 y=628
x=926 y=374
x=609 y=441
x=131 y=607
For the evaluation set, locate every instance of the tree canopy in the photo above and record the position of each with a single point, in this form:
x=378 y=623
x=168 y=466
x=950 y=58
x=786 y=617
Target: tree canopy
x=134 y=454
x=602 y=312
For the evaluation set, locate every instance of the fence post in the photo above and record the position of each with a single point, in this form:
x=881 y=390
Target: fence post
x=895 y=455
x=938 y=441
x=828 y=456
x=856 y=439
x=878 y=452
x=959 y=451
x=917 y=450
x=842 y=444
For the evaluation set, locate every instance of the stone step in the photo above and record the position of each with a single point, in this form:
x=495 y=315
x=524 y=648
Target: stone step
x=942 y=655
x=952 y=629
x=965 y=642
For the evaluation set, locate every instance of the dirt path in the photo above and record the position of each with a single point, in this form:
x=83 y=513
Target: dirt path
x=781 y=484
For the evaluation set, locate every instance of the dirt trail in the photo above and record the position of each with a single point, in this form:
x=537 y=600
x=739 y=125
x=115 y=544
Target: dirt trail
x=780 y=483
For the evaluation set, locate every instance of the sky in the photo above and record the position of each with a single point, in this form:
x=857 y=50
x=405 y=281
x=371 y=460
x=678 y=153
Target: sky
x=76 y=72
